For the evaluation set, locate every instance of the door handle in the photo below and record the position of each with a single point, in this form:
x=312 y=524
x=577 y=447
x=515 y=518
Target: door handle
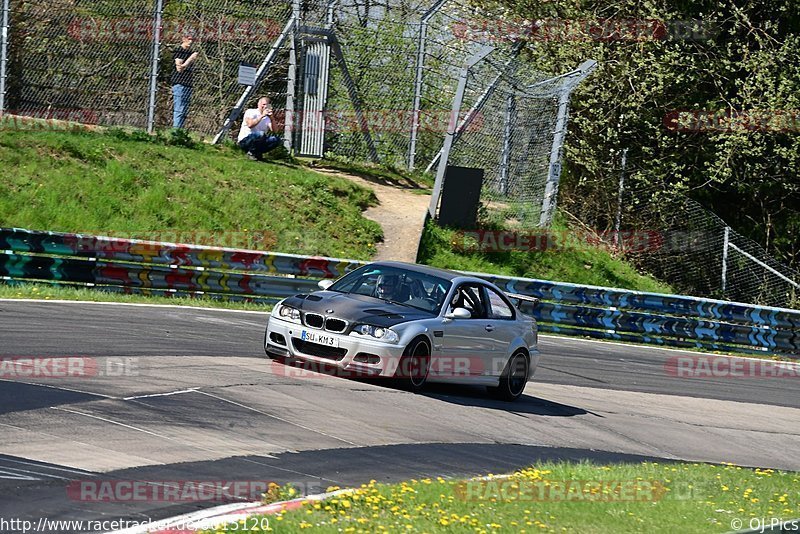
x=489 y=328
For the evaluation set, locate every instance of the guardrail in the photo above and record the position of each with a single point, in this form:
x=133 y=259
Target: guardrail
x=167 y=269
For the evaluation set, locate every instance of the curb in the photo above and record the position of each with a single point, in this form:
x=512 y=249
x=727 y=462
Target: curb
x=208 y=519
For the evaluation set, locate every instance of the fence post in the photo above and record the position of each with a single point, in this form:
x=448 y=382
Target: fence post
x=554 y=174
x=291 y=80
x=452 y=126
x=508 y=128
x=236 y=112
x=423 y=35
x=156 y=53
x=725 y=243
x=4 y=36
x=618 y=220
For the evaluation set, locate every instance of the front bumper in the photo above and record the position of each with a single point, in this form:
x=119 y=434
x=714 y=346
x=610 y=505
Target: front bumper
x=284 y=338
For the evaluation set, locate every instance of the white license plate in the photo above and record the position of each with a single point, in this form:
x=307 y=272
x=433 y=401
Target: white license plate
x=322 y=339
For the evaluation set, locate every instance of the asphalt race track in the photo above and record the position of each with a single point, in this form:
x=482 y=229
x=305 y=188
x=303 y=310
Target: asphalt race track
x=177 y=394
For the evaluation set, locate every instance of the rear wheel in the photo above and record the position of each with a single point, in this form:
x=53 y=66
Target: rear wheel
x=513 y=379
x=415 y=364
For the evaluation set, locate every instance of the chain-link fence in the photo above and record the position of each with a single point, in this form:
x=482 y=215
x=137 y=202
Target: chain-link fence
x=94 y=61
x=389 y=98
x=698 y=254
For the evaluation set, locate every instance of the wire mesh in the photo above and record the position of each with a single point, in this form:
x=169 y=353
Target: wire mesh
x=83 y=61
x=686 y=248
x=91 y=61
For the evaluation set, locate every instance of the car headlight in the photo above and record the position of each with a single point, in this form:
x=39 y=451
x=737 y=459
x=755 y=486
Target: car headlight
x=378 y=332
x=287 y=313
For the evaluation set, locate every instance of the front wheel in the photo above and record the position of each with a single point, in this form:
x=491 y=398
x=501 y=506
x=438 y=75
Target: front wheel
x=414 y=366
x=513 y=379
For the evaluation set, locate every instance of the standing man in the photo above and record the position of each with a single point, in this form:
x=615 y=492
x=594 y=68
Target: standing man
x=181 y=80
x=256 y=134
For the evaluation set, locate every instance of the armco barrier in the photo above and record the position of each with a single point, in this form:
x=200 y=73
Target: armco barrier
x=165 y=269
x=152 y=268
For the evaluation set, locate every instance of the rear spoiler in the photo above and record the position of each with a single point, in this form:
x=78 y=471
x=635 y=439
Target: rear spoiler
x=532 y=301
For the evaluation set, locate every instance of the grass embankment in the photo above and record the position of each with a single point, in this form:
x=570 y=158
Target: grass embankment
x=576 y=261
x=133 y=185
x=170 y=188
x=559 y=497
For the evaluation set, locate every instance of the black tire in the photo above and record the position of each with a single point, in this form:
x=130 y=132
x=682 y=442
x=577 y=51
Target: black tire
x=415 y=365
x=513 y=379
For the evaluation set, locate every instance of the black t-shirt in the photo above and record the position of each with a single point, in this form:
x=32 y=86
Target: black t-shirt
x=185 y=77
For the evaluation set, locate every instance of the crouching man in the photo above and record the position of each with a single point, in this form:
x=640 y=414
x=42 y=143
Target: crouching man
x=256 y=135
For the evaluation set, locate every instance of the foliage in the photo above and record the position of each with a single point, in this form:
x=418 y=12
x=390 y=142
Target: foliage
x=554 y=497
x=735 y=56
x=582 y=263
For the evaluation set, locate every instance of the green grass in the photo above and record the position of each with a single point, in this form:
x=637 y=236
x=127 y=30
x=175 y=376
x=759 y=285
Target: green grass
x=558 y=497
x=445 y=247
x=134 y=185
x=47 y=291
x=170 y=187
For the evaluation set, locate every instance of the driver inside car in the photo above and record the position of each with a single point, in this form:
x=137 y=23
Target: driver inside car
x=390 y=288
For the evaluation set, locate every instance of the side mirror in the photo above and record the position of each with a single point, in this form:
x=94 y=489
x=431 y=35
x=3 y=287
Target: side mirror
x=459 y=313
x=324 y=284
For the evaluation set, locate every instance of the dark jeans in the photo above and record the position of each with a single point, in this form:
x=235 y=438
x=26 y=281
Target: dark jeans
x=259 y=142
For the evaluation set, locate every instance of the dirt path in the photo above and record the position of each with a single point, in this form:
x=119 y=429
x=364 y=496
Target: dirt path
x=400 y=212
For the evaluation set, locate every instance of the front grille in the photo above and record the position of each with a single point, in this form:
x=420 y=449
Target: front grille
x=314 y=320
x=335 y=325
x=320 y=351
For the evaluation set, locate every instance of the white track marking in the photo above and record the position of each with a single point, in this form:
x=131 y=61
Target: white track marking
x=190 y=390
x=15 y=476
x=111 y=421
x=35 y=473
x=652 y=347
x=141 y=305
x=59 y=387
x=76 y=471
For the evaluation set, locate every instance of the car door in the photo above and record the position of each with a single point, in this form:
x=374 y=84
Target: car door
x=464 y=343
x=502 y=328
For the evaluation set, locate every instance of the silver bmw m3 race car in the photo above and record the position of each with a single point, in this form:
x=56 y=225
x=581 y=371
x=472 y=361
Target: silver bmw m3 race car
x=411 y=322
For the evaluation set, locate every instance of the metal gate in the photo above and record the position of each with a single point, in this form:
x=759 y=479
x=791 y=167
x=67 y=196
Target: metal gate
x=316 y=55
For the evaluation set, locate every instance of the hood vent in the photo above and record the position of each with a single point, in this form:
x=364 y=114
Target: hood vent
x=384 y=313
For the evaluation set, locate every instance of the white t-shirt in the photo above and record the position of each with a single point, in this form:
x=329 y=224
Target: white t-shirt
x=263 y=126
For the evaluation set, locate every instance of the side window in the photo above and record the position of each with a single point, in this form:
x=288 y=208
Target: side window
x=499 y=308
x=469 y=296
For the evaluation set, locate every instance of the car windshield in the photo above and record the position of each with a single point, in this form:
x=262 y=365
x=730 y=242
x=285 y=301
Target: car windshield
x=397 y=285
